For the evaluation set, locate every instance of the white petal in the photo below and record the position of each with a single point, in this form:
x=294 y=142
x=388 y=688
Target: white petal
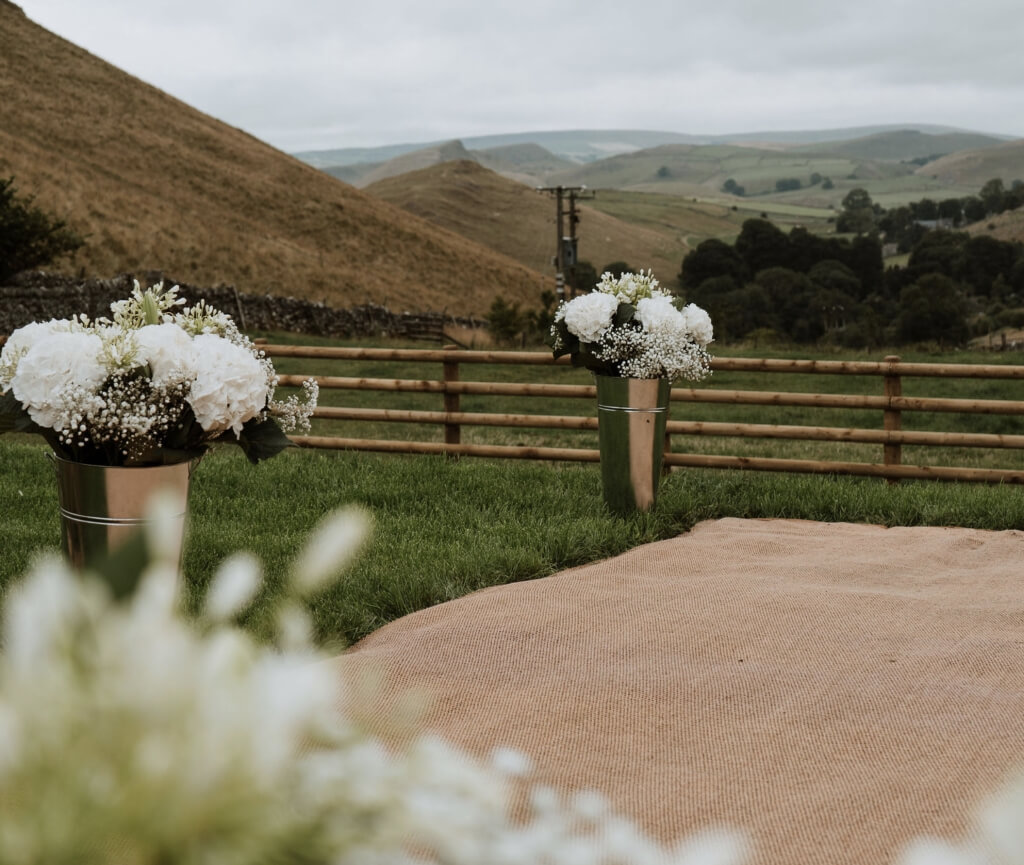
x=234 y=586
x=333 y=544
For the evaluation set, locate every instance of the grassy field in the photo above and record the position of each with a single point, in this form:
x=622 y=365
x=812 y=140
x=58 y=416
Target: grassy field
x=448 y=527
x=444 y=528
x=697 y=219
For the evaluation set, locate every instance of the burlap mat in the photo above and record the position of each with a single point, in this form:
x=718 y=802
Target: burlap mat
x=834 y=690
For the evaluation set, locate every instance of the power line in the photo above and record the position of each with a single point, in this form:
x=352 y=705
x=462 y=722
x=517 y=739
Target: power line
x=565 y=258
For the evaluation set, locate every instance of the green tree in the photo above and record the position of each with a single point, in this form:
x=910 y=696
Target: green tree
x=790 y=294
x=974 y=208
x=711 y=258
x=951 y=209
x=983 y=260
x=30 y=237
x=617 y=268
x=938 y=251
x=736 y=310
x=835 y=276
x=926 y=209
x=858 y=216
x=787 y=184
x=584 y=277
x=992 y=195
x=733 y=188
x=827 y=183
x=933 y=308
x=505 y=321
x=541 y=319
x=761 y=245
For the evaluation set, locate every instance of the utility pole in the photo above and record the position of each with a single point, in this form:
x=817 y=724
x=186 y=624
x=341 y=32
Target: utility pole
x=565 y=257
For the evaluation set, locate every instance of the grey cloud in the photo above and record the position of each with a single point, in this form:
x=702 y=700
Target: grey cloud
x=317 y=73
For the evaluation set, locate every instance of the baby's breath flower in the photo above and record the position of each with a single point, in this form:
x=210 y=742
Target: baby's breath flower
x=634 y=329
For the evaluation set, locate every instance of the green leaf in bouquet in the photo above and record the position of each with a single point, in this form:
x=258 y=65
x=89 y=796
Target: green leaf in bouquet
x=570 y=342
x=586 y=358
x=260 y=439
x=624 y=314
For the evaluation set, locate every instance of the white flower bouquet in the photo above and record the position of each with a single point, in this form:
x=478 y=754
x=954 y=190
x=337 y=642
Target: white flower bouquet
x=631 y=328
x=156 y=383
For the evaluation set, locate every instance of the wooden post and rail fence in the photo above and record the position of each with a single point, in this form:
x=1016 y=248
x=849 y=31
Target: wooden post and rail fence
x=890 y=402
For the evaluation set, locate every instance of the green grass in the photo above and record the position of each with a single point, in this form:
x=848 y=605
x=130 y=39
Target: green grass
x=444 y=528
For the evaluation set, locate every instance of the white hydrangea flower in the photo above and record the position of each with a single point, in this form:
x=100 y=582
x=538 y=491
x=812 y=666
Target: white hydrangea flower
x=20 y=341
x=169 y=352
x=698 y=323
x=230 y=387
x=658 y=315
x=589 y=316
x=53 y=365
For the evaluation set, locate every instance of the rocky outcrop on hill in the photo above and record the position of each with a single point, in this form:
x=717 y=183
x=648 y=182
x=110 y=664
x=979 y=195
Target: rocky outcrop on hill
x=38 y=296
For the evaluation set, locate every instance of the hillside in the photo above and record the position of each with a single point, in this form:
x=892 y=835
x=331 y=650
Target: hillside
x=587 y=145
x=519 y=222
x=1002 y=226
x=156 y=185
x=975 y=167
x=450 y=151
x=903 y=145
x=700 y=169
x=526 y=163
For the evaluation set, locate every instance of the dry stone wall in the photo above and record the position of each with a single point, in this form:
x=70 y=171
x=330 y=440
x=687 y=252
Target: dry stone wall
x=38 y=296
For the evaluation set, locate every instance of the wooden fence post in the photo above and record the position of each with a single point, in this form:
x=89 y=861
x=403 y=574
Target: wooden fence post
x=452 y=431
x=892 y=454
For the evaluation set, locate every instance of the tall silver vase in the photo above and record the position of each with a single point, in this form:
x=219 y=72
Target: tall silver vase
x=631 y=415
x=102 y=506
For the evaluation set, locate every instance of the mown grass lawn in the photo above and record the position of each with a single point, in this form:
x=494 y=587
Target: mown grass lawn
x=444 y=528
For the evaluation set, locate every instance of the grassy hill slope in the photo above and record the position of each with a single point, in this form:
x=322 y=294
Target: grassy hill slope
x=155 y=184
x=700 y=169
x=975 y=167
x=519 y=222
x=903 y=145
x=526 y=163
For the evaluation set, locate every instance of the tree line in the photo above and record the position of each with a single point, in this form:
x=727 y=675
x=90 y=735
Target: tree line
x=809 y=288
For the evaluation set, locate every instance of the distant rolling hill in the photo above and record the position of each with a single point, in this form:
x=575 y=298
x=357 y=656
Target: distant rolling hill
x=449 y=151
x=588 y=145
x=527 y=163
x=975 y=167
x=519 y=222
x=903 y=145
x=155 y=184
x=703 y=169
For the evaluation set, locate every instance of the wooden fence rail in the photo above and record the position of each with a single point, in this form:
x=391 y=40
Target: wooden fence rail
x=891 y=402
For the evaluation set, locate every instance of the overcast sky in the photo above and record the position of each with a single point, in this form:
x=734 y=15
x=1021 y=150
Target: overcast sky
x=316 y=74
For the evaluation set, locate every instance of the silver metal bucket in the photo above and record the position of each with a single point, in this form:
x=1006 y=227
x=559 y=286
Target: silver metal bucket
x=631 y=415
x=102 y=506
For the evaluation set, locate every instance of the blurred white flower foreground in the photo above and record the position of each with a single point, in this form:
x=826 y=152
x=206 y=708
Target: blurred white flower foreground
x=131 y=734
